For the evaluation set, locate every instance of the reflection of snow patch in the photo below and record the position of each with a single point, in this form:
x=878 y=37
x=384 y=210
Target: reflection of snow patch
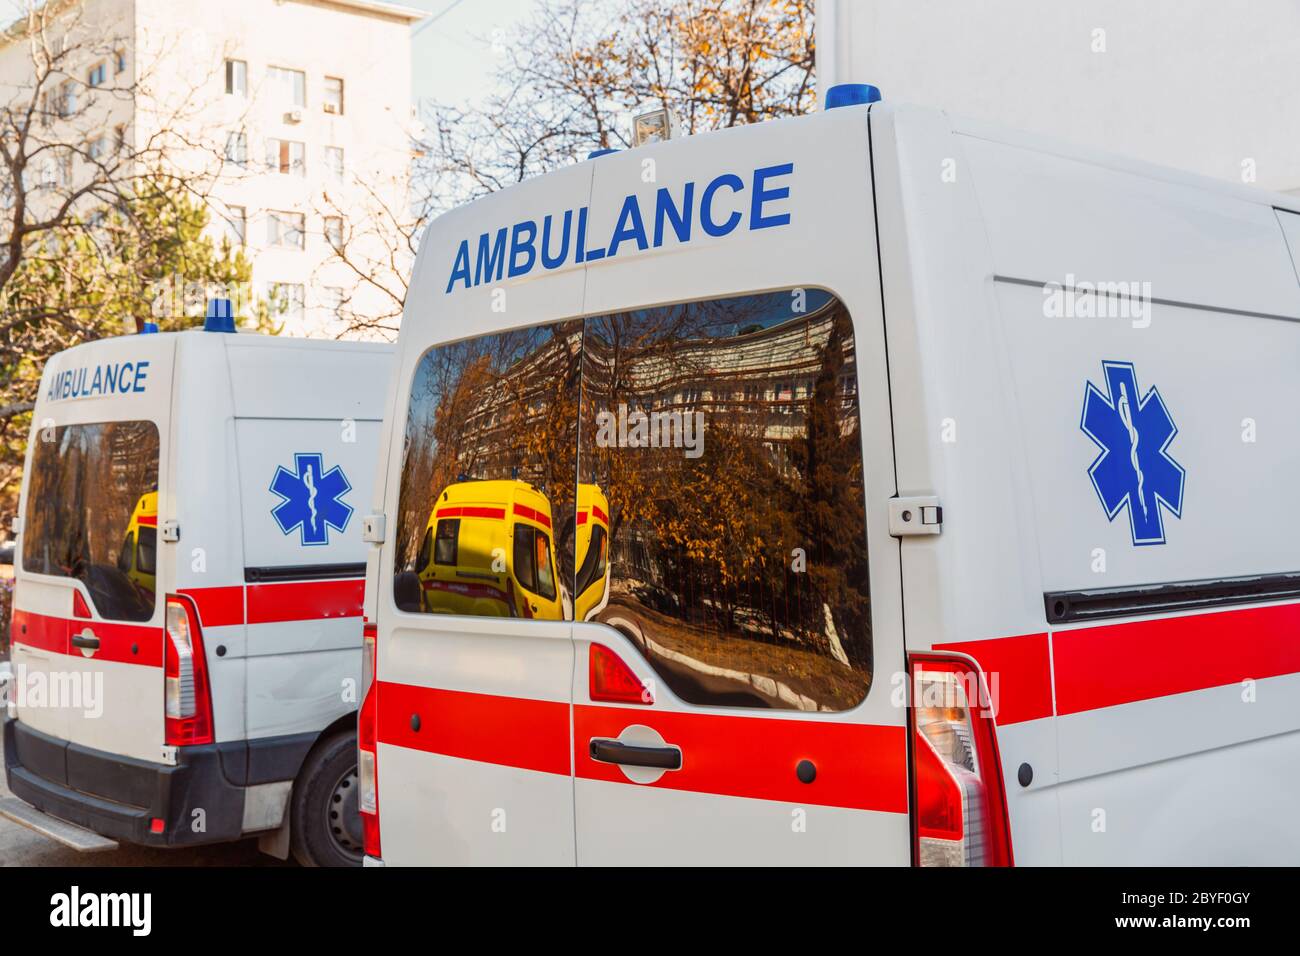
x=837 y=649
x=764 y=685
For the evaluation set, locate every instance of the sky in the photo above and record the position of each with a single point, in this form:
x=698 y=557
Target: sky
x=451 y=56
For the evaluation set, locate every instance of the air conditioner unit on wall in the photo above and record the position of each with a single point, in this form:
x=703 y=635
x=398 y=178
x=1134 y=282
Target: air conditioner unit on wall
x=293 y=116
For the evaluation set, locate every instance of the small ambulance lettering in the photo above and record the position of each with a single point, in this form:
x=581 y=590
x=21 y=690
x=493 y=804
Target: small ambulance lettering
x=120 y=378
x=311 y=499
x=514 y=251
x=1134 y=468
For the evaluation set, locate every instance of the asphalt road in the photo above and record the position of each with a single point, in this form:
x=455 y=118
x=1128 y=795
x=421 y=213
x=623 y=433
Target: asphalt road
x=20 y=846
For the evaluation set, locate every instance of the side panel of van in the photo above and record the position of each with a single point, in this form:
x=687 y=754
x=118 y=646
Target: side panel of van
x=302 y=484
x=1115 y=392
x=1191 y=394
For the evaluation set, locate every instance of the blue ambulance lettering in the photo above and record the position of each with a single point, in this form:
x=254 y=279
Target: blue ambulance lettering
x=516 y=250
x=119 y=378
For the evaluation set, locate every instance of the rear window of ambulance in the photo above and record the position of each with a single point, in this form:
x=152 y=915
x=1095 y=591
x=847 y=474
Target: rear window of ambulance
x=84 y=485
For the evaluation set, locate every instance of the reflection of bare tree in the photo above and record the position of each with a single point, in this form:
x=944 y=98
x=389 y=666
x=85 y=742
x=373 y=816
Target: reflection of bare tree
x=85 y=483
x=497 y=407
x=713 y=542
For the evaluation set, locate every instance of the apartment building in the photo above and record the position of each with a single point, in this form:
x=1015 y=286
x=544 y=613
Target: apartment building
x=294 y=115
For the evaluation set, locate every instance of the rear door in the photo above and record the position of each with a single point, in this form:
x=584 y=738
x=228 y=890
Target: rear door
x=743 y=440
x=474 y=750
x=88 y=607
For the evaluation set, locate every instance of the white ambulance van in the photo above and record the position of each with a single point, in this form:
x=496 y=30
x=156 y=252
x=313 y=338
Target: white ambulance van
x=187 y=613
x=945 y=472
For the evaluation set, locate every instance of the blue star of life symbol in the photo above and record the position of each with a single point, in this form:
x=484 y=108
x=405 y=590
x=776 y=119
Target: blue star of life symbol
x=311 y=499
x=1134 y=467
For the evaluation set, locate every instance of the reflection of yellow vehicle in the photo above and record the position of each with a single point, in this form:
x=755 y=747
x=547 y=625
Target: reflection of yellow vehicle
x=487 y=550
x=138 y=558
x=592 y=550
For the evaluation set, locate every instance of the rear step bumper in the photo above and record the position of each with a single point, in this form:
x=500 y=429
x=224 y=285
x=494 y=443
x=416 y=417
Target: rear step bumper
x=69 y=834
x=120 y=797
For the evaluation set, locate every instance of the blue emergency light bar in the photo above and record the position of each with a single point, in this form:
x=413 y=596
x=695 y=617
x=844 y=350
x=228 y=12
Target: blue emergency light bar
x=220 y=317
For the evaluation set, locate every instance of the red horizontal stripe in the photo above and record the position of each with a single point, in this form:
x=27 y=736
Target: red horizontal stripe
x=149 y=521
x=1018 y=673
x=466 y=590
x=121 y=643
x=508 y=731
x=582 y=517
x=1122 y=663
x=595 y=510
x=532 y=514
x=859 y=766
x=218 y=607
x=304 y=600
x=471 y=512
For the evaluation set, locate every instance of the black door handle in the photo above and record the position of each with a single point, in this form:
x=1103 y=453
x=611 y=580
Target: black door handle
x=613 y=751
x=89 y=641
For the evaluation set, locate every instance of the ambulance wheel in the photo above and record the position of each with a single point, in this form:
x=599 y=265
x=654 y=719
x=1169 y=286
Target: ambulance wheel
x=325 y=826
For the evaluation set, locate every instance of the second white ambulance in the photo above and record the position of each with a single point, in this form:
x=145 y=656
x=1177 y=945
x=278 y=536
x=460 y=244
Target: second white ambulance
x=187 y=609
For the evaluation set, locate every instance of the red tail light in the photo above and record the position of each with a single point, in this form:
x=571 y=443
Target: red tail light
x=188 y=695
x=610 y=679
x=367 y=734
x=960 y=815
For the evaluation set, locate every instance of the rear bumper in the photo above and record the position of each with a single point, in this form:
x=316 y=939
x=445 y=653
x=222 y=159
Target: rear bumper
x=121 y=797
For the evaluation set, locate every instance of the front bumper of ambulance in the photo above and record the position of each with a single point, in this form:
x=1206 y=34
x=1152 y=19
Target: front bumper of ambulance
x=136 y=801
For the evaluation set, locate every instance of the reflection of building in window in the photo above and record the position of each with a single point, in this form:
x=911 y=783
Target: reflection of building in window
x=702 y=552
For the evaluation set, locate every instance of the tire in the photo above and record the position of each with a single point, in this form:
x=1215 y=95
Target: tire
x=324 y=826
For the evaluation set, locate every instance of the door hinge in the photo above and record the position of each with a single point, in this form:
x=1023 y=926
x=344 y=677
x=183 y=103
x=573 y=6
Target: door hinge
x=911 y=516
x=171 y=531
x=372 y=529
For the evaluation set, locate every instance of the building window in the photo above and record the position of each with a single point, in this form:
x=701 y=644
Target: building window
x=285 y=229
x=334 y=162
x=236 y=78
x=96 y=148
x=334 y=232
x=286 y=156
x=64 y=168
x=45 y=109
x=98 y=75
x=67 y=98
x=333 y=95
x=237 y=147
x=285 y=300
x=289 y=86
x=120 y=61
x=237 y=225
